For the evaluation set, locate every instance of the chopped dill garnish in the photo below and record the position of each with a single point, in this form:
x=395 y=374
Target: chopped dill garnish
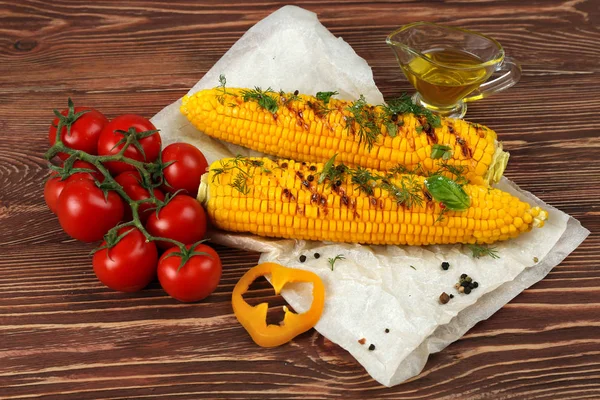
x=367 y=120
x=222 y=83
x=321 y=110
x=364 y=180
x=457 y=170
x=408 y=192
x=264 y=98
x=402 y=169
x=325 y=96
x=240 y=184
x=292 y=97
x=404 y=104
x=332 y=261
x=480 y=250
x=440 y=217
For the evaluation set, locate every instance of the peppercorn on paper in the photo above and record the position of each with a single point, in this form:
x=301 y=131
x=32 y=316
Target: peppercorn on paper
x=386 y=295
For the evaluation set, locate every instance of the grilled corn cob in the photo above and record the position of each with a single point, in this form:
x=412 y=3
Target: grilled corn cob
x=311 y=129
x=313 y=201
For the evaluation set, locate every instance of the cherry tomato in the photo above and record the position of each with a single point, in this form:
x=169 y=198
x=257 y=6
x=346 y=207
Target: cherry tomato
x=54 y=186
x=185 y=172
x=196 y=279
x=85 y=130
x=130 y=180
x=110 y=137
x=182 y=219
x=84 y=212
x=128 y=266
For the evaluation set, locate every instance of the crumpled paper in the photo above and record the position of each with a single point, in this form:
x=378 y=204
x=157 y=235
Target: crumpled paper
x=375 y=287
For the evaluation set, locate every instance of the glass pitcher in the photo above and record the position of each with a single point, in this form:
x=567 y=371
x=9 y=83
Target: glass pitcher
x=451 y=66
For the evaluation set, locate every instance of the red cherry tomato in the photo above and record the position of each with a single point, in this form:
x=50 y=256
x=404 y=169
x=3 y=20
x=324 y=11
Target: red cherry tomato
x=84 y=212
x=128 y=266
x=54 y=186
x=196 y=279
x=110 y=137
x=185 y=172
x=85 y=129
x=182 y=219
x=130 y=180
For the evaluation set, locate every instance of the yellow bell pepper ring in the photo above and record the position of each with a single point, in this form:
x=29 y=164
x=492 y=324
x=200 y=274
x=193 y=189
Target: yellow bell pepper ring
x=254 y=318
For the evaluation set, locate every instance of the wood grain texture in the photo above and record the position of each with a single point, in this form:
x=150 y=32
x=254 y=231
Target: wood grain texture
x=64 y=336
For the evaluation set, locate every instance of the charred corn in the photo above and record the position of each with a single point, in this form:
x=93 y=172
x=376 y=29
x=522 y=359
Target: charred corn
x=314 y=201
x=313 y=129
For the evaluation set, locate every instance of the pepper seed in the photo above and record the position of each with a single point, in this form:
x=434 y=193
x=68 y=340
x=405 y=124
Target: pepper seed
x=302 y=258
x=444 y=298
x=445 y=265
x=317 y=255
x=371 y=347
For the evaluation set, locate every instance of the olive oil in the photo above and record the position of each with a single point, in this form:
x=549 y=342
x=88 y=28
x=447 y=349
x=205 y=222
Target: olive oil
x=449 y=76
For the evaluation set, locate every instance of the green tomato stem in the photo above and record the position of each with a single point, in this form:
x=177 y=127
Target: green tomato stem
x=98 y=162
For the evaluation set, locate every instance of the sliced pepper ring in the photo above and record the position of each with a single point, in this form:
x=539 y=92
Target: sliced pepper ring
x=254 y=318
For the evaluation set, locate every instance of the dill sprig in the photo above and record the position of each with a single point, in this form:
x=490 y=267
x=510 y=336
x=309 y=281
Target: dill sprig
x=367 y=120
x=332 y=261
x=222 y=84
x=404 y=104
x=457 y=170
x=365 y=181
x=480 y=250
x=407 y=192
x=288 y=98
x=263 y=97
x=240 y=184
x=320 y=109
x=402 y=170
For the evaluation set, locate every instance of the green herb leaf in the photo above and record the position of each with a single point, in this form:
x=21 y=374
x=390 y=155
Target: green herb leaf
x=448 y=192
x=262 y=97
x=392 y=129
x=327 y=168
x=332 y=261
x=325 y=96
x=441 y=151
x=480 y=250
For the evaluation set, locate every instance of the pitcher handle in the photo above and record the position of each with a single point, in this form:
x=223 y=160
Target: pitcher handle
x=511 y=73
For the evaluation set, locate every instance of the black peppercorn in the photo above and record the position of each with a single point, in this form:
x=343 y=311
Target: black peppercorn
x=475 y=285
x=296 y=92
x=371 y=347
x=313 y=168
x=302 y=258
x=284 y=165
x=387 y=330
x=463 y=276
x=338 y=183
x=310 y=178
x=451 y=296
x=445 y=265
x=303 y=162
x=317 y=255
x=467 y=290
x=394 y=117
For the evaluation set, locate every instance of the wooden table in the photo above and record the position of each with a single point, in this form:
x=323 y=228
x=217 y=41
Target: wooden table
x=65 y=336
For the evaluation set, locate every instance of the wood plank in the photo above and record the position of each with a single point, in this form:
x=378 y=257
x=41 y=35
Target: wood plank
x=66 y=336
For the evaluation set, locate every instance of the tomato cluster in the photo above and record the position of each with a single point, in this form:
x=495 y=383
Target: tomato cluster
x=115 y=182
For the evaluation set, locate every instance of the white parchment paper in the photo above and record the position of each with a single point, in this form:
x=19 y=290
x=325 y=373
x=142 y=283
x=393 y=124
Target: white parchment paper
x=375 y=287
